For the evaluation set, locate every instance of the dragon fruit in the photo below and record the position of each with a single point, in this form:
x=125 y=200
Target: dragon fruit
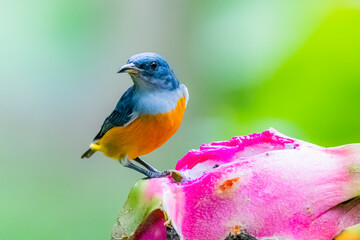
x=261 y=186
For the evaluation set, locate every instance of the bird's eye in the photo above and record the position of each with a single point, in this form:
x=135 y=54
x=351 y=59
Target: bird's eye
x=154 y=65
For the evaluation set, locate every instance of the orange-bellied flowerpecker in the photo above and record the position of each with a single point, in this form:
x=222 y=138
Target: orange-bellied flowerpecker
x=145 y=117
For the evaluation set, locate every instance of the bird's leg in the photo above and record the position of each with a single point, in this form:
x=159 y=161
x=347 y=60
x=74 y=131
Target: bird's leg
x=150 y=174
x=146 y=165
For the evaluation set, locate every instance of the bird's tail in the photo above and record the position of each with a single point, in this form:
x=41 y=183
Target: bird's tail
x=88 y=153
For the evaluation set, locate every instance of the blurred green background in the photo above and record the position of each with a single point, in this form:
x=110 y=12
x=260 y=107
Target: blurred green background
x=249 y=65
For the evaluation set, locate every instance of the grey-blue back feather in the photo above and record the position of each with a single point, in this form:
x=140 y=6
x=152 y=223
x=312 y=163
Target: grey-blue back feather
x=121 y=114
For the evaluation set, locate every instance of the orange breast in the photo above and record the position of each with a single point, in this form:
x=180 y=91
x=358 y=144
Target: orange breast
x=143 y=135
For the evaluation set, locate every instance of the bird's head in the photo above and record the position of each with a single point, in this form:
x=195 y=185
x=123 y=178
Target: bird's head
x=150 y=71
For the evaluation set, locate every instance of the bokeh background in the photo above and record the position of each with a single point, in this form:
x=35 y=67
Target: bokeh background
x=249 y=65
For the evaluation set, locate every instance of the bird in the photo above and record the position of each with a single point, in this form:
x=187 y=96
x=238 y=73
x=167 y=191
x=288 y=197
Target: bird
x=145 y=117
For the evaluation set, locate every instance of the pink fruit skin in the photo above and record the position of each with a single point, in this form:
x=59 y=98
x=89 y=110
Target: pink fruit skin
x=268 y=184
x=153 y=227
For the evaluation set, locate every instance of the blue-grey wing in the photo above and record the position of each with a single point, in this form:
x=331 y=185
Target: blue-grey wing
x=121 y=114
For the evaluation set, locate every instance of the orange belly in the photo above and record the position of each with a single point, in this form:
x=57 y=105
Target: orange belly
x=142 y=136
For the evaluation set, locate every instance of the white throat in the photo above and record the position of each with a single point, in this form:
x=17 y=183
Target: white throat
x=158 y=101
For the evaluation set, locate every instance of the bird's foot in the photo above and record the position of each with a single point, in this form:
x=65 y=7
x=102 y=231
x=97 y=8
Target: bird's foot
x=157 y=174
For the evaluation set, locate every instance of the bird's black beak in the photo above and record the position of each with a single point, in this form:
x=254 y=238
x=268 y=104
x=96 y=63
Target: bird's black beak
x=129 y=68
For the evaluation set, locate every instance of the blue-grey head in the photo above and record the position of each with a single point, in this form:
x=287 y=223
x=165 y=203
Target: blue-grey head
x=150 y=71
